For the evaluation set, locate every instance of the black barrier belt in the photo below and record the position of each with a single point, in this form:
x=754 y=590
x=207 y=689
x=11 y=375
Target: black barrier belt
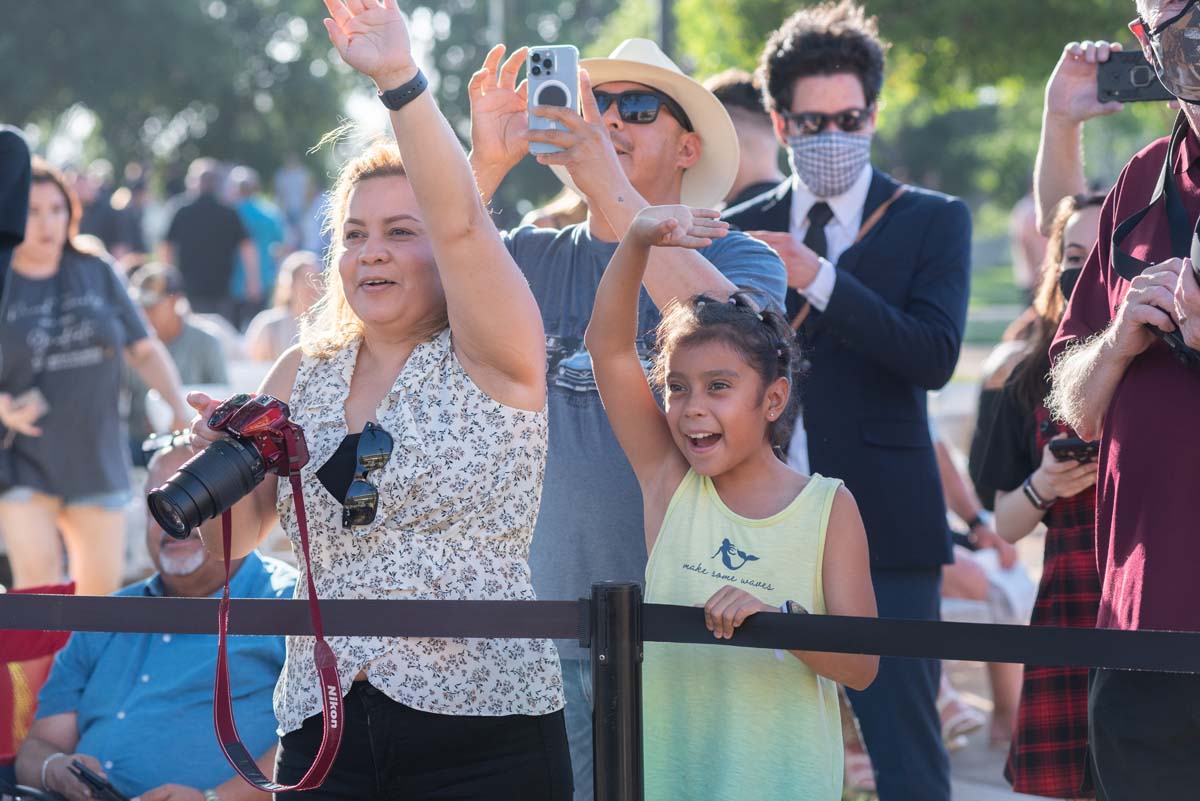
x=1172 y=652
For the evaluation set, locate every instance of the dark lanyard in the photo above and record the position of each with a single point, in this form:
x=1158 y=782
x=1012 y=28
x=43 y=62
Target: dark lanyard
x=1185 y=240
x=1183 y=236
x=323 y=657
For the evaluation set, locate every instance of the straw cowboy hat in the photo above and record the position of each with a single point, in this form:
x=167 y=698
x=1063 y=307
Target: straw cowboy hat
x=706 y=182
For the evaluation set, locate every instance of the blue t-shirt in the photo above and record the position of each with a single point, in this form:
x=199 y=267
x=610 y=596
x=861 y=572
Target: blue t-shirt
x=265 y=226
x=590 y=525
x=144 y=702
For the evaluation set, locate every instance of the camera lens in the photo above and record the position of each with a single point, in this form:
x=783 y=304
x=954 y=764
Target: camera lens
x=536 y=57
x=205 y=486
x=536 y=70
x=547 y=63
x=1141 y=76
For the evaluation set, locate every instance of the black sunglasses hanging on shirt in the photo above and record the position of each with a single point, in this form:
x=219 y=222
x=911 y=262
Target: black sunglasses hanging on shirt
x=1185 y=239
x=362 y=498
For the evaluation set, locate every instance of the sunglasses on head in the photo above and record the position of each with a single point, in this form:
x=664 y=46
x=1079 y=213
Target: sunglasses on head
x=362 y=498
x=848 y=120
x=640 y=106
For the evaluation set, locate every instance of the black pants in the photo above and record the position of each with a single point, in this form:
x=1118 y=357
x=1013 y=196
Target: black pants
x=898 y=712
x=1144 y=735
x=391 y=752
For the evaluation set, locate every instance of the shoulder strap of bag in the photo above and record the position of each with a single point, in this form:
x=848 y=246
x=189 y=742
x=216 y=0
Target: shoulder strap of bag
x=865 y=229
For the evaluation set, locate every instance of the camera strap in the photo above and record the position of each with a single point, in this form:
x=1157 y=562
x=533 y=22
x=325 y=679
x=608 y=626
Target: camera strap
x=1185 y=239
x=323 y=657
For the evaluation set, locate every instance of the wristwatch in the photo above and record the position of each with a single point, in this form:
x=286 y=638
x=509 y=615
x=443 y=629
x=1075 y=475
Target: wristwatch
x=1032 y=495
x=982 y=518
x=402 y=95
x=792 y=608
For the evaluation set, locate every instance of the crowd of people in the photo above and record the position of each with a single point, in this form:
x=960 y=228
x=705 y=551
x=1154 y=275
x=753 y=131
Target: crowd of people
x=693 y=369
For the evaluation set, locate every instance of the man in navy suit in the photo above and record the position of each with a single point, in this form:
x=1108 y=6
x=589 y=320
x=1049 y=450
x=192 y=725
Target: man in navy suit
x=879 y=278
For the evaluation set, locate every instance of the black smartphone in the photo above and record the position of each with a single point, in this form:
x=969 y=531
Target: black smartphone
x=1074 y=449
x=99 y=786
x=1127 y=77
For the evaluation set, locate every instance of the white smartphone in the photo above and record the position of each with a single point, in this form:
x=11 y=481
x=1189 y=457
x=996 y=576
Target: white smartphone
x=553 y=75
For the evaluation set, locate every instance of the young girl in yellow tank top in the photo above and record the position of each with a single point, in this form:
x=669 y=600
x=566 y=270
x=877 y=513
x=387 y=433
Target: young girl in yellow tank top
x=728 y=525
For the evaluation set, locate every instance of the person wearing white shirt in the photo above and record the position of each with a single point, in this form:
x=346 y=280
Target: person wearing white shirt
x=878 y=277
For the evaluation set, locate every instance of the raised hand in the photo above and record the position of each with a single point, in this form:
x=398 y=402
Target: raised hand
x=1071 y=90
x=677 y=226
x=499 y=120
x=372 y=37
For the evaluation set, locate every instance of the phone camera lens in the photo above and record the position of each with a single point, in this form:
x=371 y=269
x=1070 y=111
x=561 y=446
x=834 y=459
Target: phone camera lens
x=536 y=70
x=547 y=63
x=536 y=57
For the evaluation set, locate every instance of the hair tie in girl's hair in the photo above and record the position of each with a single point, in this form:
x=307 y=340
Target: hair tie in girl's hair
x=760 y=317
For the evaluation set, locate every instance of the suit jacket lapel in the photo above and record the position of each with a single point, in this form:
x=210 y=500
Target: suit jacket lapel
x=776 y=212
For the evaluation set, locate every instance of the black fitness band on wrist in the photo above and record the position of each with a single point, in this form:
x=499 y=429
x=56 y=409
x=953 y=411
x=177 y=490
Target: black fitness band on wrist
x=1033 y=497
x=405 y=93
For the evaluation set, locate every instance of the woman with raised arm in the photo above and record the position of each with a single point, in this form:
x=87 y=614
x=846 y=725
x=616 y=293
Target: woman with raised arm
x=420 y=384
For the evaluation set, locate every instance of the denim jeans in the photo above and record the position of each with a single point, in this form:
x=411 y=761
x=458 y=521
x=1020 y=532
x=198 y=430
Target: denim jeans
x=577 y=684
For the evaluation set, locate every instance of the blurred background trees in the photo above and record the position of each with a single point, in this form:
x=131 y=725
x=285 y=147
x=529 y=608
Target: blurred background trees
x=251 y=80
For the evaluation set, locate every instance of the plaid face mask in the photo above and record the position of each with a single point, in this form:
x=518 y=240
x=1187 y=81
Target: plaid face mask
x=1176 y=47
x=829 y=162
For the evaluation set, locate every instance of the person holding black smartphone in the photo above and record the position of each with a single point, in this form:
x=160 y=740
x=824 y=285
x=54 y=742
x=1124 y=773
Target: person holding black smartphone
x=1014 y=464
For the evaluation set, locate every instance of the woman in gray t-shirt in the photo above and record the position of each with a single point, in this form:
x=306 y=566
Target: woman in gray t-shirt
x=66 y=327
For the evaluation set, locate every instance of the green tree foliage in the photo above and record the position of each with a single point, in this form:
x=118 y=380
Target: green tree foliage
x=961 y=107
x=464 y=31
x=245 y=80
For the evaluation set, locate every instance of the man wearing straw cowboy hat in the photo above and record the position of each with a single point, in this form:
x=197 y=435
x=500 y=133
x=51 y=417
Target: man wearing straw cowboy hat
x=646 y=135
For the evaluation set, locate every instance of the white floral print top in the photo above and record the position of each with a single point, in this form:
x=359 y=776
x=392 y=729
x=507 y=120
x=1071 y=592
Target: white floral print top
x=457 y=503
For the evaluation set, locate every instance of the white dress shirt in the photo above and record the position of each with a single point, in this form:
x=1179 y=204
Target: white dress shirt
x=840 y=233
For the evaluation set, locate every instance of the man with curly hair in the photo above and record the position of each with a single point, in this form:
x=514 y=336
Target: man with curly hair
x=878 y=277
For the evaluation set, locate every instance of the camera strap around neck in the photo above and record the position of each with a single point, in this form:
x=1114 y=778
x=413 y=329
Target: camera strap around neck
x=331 y=689
x=1185 y=239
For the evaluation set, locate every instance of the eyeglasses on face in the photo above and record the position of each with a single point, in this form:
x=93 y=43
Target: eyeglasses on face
x=849 y=120
x=362 y=498
x=640 y=106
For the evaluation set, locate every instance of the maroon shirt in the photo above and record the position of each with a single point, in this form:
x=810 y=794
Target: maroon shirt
x=1148 y=495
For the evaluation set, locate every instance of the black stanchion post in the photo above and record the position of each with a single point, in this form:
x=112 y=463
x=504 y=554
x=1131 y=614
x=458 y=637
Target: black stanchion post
x=617 y=691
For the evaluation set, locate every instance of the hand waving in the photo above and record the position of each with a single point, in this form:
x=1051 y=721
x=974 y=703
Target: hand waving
x=677 y=226
x=372 y=37
x=498 y=117
x=1071 y=90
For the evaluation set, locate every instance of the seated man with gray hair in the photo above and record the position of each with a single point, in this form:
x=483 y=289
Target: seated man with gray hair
x=138 y=708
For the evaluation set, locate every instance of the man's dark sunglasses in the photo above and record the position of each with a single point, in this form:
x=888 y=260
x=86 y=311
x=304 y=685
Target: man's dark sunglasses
x=640 y=106
x=362 y=499
x=850 y=120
